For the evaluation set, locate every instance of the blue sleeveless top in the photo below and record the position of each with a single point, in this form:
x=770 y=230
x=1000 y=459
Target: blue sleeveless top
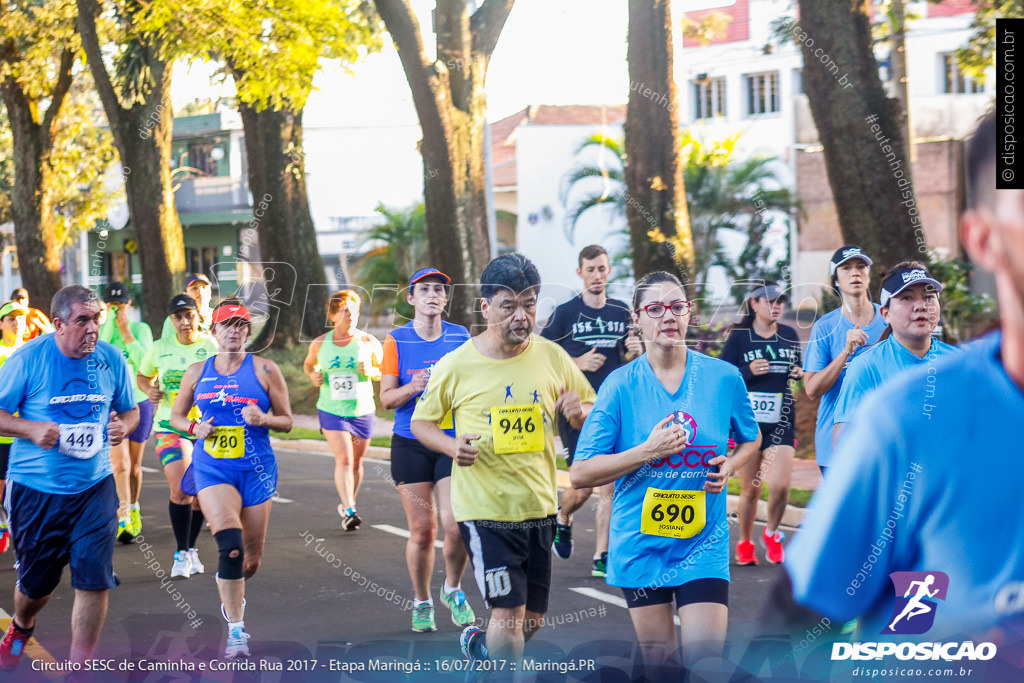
x=235 y=445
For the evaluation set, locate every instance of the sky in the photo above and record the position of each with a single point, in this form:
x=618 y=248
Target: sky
x=550 y=52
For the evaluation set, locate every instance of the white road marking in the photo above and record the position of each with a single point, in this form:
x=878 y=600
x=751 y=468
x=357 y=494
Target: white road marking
x=607 y=597
x=401 y=532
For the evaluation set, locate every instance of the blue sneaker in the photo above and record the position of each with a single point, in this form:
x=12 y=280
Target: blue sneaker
x=472 y=642
x=563 y=540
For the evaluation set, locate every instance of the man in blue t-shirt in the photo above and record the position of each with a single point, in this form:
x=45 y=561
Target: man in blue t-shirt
x=926 y=479
x=74 y=400
x=595 y=331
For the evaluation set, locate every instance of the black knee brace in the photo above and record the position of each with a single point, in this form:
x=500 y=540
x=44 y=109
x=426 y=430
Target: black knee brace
x=232 y=553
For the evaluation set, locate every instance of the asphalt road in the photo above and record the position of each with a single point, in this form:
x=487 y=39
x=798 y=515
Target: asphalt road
x=326 y=603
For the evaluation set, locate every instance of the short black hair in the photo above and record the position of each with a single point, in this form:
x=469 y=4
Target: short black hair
x=981 y=163
x=513 y=272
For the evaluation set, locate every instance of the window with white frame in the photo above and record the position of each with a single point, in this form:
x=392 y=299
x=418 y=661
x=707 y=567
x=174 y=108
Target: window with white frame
x=953 y=79
x=762 y=93
x=709 y=98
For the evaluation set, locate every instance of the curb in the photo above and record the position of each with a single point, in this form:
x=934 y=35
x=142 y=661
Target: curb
x=792 y=517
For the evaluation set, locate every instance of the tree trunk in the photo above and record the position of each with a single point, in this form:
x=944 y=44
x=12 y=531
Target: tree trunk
x=451 y=104
x=142 y=135
x=898 y=60
x=655 y=196
x=861 y=132
x=291 y=263
x=39 y=249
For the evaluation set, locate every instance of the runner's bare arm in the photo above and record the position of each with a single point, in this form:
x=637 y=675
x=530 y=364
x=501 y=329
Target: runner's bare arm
x=280 y=416
x=147 y=385
x=460 y=449
x=121 y=425
x=601 y=469
x=42 y=434
x=394 y=395
x=817 y=384
x=309 y=365
x=183 y=404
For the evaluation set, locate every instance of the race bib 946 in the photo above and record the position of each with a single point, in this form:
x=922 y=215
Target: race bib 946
x=517 y=429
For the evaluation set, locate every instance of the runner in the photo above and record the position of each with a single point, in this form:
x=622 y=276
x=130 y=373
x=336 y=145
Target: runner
x=36 y=322
x=768 y=356
x=198 y=287
x=910 y=304
x=669 y=532
x=343 y=363
x=74 y=399
x=12 y=326
x=241 y=398
x=409 y=354
x=133 y=339
x=160 y=376
x=836 y=338
x=595 y=331
x=908 y=493
x=504 y=389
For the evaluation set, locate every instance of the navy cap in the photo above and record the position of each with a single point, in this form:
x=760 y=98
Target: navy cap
x=901 y=278
x=182 y=301
x=423 y=273
x=116 y=292
x=844 y=254
x=197 y=277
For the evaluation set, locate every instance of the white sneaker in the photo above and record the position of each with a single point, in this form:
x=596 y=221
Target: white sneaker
x=182 y=568
x=236 y=643
x=197 y=566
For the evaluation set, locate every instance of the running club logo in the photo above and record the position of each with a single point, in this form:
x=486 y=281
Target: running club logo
x=917 y=596
x=692 y=455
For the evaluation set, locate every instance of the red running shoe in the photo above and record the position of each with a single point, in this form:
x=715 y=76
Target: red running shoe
x=12 y=647
x=5 y=540
x=774 y=552
x=745 y=553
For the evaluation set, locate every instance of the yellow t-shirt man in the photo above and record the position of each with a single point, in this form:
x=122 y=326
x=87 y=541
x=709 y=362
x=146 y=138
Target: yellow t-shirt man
x=510 y=404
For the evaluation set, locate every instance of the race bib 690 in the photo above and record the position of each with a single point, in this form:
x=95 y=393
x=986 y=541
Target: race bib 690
x=674 y=514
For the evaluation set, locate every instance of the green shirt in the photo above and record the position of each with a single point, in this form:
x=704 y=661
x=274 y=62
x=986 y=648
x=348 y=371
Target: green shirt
x=345 y=392
x=5 y=353
x=168 y=359
x=134 y=352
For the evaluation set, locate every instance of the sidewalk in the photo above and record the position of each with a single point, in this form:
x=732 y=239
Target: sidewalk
x=806 y=474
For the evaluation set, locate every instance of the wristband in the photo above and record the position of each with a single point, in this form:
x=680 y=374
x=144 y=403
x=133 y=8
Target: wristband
x=192 y=428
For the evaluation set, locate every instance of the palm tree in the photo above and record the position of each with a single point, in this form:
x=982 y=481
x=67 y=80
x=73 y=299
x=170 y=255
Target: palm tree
x=398 y=248
x=721 y=193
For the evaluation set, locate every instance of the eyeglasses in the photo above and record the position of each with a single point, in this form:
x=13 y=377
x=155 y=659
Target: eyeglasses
x=657 y=309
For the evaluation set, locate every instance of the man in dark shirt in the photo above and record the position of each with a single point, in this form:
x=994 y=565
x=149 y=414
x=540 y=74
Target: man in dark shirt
x=596 y=332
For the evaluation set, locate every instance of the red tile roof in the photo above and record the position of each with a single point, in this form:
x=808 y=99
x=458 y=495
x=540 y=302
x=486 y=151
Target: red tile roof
x=503 y=132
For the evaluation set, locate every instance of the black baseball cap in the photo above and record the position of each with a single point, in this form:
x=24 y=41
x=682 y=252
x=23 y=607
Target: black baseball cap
x=901 y=278
x=116 y=292
x=844 y=254
x=180 y=302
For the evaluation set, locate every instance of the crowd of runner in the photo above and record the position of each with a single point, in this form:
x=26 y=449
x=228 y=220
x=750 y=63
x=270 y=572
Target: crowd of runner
x=651 y=426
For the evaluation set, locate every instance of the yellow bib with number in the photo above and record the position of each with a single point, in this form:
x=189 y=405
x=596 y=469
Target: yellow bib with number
x=193 y=414
x=226 y=443
x=675 y=514
x=517 y=429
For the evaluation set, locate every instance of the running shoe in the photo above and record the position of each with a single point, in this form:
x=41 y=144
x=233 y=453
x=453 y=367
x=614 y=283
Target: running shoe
x=12 y=647
x=473 y=643
x=563 y=540
x=423 y=618
x=5 y=539
x=599 y=568
x=462 y=613
x=236 y=644
x=135 y=521
x=182 y=567
x=350 y=519
x=196 y=566
x=745 y=553
x=124 y=531
x=774 y=553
